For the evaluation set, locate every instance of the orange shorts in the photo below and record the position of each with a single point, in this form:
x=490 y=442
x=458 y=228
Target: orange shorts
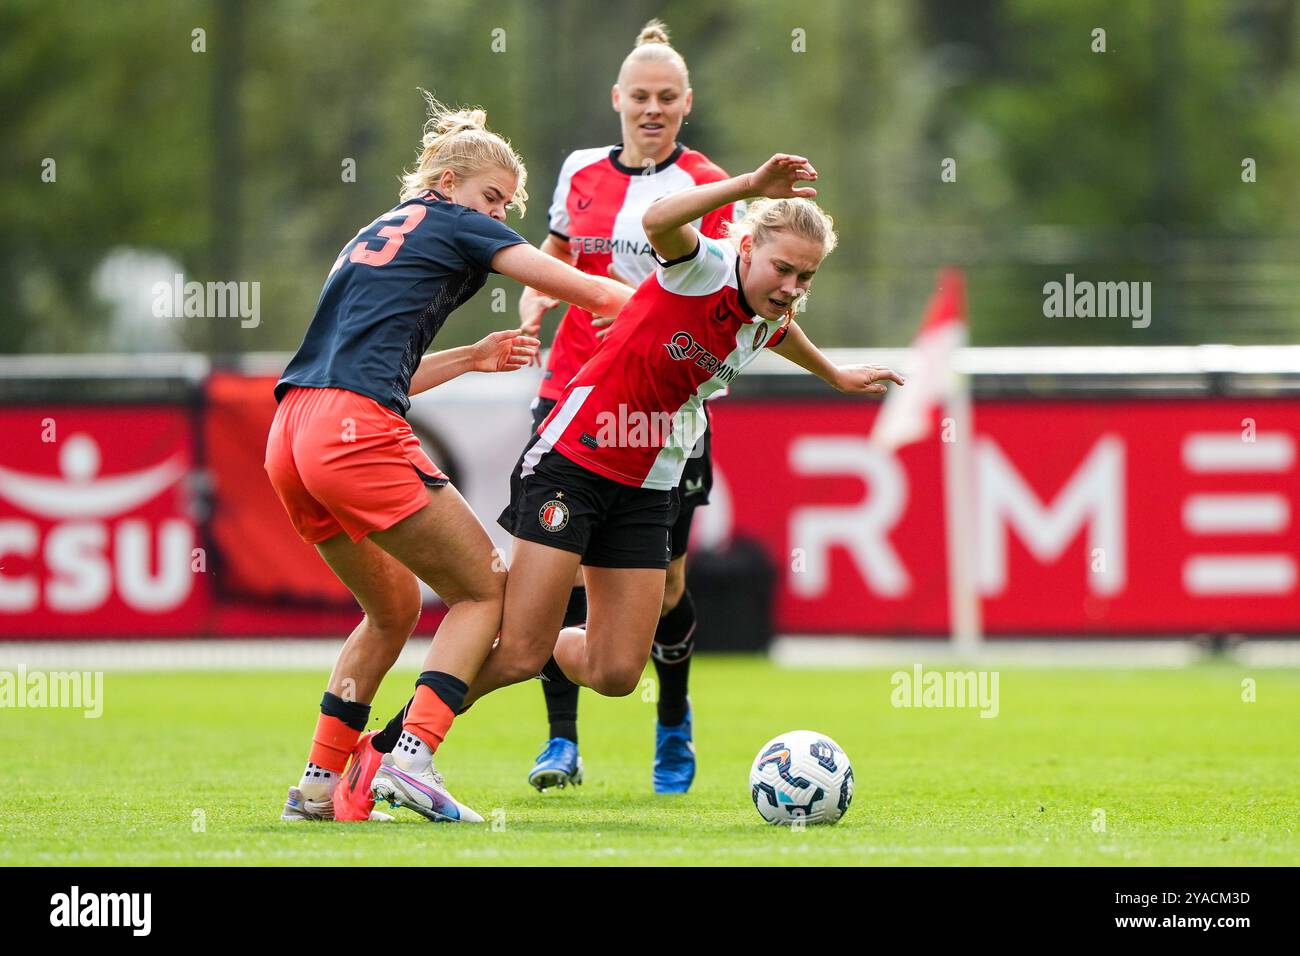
x=342 y=462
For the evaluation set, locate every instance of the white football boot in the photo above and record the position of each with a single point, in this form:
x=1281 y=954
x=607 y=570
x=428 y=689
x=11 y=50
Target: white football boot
x=422 y=791
x=298 y=807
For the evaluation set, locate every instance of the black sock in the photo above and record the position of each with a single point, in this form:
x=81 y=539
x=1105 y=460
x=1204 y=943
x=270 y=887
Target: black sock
x=452 y=690
x=562 y=708
x=576 y=610
x=561 y=701
x=349 y=711
x=671 y=651
x=386 y=739
x=561 y=693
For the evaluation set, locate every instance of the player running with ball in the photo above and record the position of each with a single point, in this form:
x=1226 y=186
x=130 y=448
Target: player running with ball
x=585 y=493
x=595 y=222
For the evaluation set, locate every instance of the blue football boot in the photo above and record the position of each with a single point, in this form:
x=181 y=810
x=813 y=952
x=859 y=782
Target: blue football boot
x=674 y=756
x=558 y=765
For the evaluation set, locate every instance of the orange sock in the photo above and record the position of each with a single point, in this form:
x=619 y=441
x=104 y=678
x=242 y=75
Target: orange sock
x=429 y=718
x=332 y=743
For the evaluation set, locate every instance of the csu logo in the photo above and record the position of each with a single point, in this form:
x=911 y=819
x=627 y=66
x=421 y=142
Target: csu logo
x=89 y=539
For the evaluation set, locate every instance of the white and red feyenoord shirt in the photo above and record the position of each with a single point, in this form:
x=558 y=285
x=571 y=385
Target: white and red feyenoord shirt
x=635 y=410
x=597 y=210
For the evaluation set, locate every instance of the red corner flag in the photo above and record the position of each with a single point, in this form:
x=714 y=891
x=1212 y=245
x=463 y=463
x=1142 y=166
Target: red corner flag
x=908 y=413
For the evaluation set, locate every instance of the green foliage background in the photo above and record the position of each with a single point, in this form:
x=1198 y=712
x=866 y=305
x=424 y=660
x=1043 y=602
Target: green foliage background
x=1125 y=164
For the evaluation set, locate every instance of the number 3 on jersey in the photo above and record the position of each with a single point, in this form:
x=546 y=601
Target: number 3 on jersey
x=362 y=254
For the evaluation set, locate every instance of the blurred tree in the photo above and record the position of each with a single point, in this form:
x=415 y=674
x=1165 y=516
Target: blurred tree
x=253 y=150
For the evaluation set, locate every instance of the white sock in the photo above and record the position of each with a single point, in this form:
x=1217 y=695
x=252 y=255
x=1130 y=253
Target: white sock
x=411 y=753
x=317 y=783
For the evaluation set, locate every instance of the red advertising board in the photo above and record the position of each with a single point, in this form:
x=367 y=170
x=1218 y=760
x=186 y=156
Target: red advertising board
x=1106 y=517
x=98 y=535
x=1097 y=517
x=263 y=558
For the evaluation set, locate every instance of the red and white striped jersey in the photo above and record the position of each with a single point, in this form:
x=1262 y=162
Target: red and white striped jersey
x=635 y=410
x=597 y=210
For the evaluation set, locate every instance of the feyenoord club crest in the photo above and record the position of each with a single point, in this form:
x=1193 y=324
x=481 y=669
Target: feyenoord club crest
x=554 y=515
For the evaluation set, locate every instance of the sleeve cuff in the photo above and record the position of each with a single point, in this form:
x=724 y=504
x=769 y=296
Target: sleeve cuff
x=504 y=245
x=668 y=263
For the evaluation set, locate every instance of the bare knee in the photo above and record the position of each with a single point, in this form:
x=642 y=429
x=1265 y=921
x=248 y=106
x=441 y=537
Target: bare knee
x=525 y=665
x=521 y=654
x=489 y=590
x=617 y=679
x=396 y=620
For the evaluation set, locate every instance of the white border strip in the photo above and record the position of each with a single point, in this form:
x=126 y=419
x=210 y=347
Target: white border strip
x=272 y=654
x=310 y=654
x=836 y=652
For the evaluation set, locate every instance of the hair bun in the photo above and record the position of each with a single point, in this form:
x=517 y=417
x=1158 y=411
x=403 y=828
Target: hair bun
x=457 y=139
x=656 y=31
x=461 y=121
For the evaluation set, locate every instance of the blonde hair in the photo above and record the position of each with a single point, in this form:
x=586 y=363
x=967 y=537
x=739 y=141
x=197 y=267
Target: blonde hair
x=803 y=217
x=459 y=140
x=652 y=45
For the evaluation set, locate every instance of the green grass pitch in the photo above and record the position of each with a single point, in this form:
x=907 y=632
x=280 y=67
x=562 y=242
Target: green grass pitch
x=191 y=768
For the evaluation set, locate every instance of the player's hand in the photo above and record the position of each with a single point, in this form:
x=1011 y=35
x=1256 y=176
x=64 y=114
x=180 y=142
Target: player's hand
x=865 y=379
x=503 y=351
x=776 y=178
x=532 y=306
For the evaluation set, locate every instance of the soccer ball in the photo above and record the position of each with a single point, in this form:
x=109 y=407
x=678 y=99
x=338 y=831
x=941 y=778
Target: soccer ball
x=801 y=776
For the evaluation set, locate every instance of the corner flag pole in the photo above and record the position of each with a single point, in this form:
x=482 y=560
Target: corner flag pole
x=935 y=384
x=964 y=618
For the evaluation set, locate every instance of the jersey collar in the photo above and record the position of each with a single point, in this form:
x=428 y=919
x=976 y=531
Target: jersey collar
x=675 y=155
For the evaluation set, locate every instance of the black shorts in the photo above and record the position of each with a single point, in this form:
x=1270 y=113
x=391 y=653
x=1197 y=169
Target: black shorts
x=612 y=525
x=692 y=493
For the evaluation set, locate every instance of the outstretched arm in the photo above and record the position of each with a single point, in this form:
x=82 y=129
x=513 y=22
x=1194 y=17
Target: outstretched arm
x=502 y=351
x=667 y=222
x=850 y=379
x=533 y=304
x=559 y=280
